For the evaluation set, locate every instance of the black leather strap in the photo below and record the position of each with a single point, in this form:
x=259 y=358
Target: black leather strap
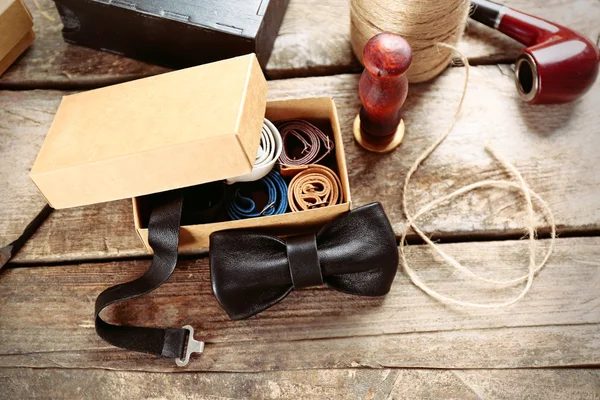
x=203 y=203
x=303 y=261
x=163 y=236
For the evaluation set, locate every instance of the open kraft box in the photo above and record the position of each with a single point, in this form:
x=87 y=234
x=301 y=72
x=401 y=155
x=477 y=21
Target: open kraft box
x=195 y=238
x=172 y=131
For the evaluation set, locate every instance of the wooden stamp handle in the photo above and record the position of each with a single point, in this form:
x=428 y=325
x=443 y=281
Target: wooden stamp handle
x=383 y=85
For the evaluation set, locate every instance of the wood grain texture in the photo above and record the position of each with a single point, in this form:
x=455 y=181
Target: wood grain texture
x=318 y=343
x=557 y=324
x=23 y=125
x=554 y=147
x=24 y=120
x=313 y=40
x=365 y=384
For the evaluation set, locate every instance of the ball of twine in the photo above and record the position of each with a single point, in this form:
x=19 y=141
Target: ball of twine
x=423 y=23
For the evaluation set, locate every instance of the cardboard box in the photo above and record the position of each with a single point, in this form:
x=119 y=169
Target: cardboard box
x=174 y=33
x=153 y=134
x=176 y=130
x=320 y=111
x=16 y=31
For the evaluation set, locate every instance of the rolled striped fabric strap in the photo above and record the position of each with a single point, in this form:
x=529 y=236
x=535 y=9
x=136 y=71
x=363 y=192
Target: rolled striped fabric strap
x=241 y=206
x=312 y=144
x=314 y=186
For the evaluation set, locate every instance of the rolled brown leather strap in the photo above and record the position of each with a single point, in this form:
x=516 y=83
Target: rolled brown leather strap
x=314 y=145
x=313 y=186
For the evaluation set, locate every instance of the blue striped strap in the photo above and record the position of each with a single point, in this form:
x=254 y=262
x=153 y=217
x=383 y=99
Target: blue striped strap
x=242 y=207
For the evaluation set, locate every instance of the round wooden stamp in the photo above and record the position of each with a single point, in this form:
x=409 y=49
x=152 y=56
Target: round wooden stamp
x=383 y=88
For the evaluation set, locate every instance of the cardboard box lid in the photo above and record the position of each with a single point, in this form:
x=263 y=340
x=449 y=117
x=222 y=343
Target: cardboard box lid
x=155 y=134
x=15 y=25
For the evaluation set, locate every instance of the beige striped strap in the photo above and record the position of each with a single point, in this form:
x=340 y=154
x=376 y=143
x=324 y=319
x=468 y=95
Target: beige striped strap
x=313 y=186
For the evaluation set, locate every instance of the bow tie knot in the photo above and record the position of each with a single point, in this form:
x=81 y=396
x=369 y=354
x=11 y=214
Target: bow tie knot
x=303 y=260
x=356 y=254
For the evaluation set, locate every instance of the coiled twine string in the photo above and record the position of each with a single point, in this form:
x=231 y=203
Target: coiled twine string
x=518 y=183
x=423 y=23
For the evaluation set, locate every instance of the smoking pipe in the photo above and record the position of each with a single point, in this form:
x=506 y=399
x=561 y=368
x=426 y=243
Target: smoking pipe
x=557 y=66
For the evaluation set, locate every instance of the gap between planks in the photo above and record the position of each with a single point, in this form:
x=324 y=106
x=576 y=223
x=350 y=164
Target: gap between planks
x=96 y=83
x=411 y=240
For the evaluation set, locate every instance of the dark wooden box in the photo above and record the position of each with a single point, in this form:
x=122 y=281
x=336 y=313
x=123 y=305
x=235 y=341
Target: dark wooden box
x=174 y=33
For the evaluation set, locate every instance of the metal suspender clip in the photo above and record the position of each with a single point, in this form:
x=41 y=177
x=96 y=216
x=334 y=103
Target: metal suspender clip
x=193 y=346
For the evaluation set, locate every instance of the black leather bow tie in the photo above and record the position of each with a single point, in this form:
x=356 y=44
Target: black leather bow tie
x=355 y=254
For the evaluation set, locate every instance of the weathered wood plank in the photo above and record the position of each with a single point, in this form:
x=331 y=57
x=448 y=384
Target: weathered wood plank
x=539 y=347
x=24 y=120
x=313 y=40
x=23 y=125
x=557 y=324
x=309 y=384
x=535 y=384
x=554 y=147
x=547 y=144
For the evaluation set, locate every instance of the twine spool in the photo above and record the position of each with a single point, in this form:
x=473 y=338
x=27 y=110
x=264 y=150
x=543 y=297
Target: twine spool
x=423 y=23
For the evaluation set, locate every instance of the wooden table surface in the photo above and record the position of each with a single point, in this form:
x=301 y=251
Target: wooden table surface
x=319 y=343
